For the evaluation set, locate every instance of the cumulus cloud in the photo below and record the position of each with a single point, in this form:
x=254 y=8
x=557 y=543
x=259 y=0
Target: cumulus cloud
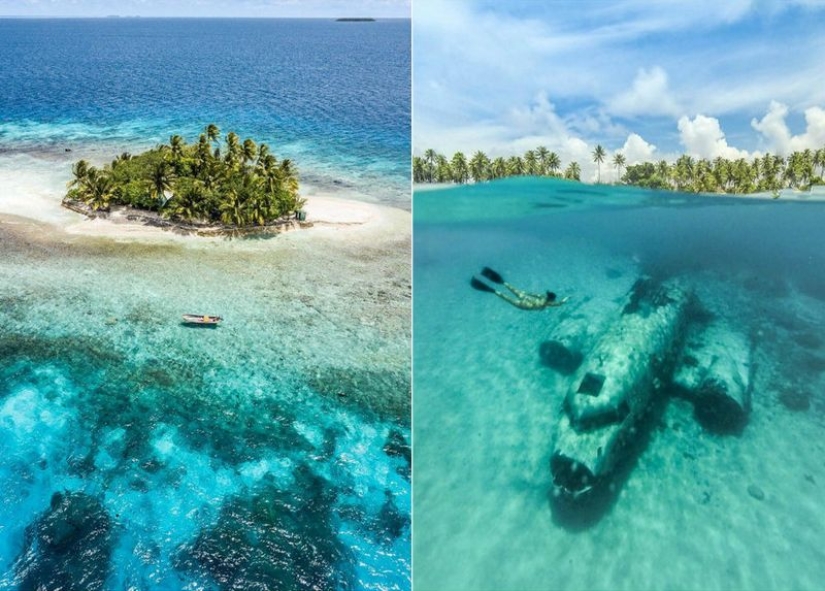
x=539 y=117
x=774 y=129
x=649 y=95
x=636 y=149
x=703 y=137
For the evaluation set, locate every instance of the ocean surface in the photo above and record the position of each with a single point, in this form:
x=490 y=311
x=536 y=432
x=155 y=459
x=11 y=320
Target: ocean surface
x=689 y=506
x=334 y=97
x=272 y=452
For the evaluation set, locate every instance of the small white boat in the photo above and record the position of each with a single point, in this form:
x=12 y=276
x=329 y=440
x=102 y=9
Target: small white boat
x=201 y=319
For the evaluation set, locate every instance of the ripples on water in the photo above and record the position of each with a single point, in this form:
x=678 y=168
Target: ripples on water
x=335 y=97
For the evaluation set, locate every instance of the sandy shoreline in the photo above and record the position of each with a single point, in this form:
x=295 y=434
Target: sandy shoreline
x=31 y=190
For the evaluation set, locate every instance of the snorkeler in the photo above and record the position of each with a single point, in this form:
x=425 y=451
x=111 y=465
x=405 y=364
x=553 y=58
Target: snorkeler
x=522 y=299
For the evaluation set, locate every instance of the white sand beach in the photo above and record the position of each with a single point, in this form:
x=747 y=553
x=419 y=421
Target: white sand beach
x=32 y=188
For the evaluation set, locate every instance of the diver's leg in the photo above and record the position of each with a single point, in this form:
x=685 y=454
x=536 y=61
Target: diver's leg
x=519 y=293
x=509 y=299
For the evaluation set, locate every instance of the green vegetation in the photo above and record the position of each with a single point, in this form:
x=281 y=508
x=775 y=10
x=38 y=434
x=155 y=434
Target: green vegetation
x=435 y=168
x=243 y=186
x=767 y=173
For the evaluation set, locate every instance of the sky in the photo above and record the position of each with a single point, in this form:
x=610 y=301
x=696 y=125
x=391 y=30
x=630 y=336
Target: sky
x=653 y=80
x=207 y=8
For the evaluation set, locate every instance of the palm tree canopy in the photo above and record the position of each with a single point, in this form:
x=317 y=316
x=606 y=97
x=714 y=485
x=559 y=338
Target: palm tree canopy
x=191 y=182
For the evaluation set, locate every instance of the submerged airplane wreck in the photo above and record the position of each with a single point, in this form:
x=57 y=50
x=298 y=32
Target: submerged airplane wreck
x=657 y=344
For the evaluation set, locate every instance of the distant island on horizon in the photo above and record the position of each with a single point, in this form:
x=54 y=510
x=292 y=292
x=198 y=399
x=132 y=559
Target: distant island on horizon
x=355 y=20
x=768 y=173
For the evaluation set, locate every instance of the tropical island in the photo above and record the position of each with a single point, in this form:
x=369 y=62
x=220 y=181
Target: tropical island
x=768 y=173
x=234 y=187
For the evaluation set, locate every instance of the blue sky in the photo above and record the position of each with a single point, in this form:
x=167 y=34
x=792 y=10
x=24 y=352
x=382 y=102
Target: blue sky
x=731 y=78
x=207 y=8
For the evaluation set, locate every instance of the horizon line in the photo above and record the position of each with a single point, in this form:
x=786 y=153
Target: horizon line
x=137 y=16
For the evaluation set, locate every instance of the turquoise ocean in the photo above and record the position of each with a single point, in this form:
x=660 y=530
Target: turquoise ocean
x=271 y=452
x=689 y=507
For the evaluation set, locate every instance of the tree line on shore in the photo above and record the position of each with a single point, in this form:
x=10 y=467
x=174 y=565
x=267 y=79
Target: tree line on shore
x=238 y=184
x=770 y=173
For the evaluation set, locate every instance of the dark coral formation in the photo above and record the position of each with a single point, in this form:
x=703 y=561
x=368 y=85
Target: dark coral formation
x=68 y=547
x=396 y=446
x=274 y=539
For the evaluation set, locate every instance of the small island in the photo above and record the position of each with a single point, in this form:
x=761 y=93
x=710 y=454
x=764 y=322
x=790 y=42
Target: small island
x=206 y=187
x=355 y=20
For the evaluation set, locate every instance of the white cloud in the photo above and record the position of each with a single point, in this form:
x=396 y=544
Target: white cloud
x=636 y=150
x=774 y=129
x=703 y=137
x=649 y=95
x=540 y=117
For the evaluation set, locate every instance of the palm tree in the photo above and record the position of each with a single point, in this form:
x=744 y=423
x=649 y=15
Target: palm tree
x=249 y=150
x=498 y=168
x=231 y=208
x=531 y=163
x=419 y=175
x=542 y=154
x=461 y=173
x=189 y=201
x=176 y=144
x=212 y=132
x=598 y=158
x=553 y=163
x=124 y=157
x=97 y=192
x=233 y=149
x=515 y=166
x=161 y=177
x=430 y=157
x=443 y=171
x=663 y=172
x=819 y=160
x=619 y=162
x=263 y=152
x=685 y=173
x=573 y=171
x=289 y=186
x=80 y=171
x=480 y=167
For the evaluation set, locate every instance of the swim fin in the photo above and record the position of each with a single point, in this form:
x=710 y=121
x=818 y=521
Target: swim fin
x=480 y=285
x=492 y=275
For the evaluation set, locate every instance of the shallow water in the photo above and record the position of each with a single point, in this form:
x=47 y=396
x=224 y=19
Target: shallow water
x=487 y=409
x=270 y=452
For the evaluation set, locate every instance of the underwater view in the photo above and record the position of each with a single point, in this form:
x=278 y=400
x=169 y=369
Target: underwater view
x=657 y=424
x=271 y=451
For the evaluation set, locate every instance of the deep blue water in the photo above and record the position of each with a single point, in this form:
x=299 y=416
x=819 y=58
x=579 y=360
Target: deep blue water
x=333 y=96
